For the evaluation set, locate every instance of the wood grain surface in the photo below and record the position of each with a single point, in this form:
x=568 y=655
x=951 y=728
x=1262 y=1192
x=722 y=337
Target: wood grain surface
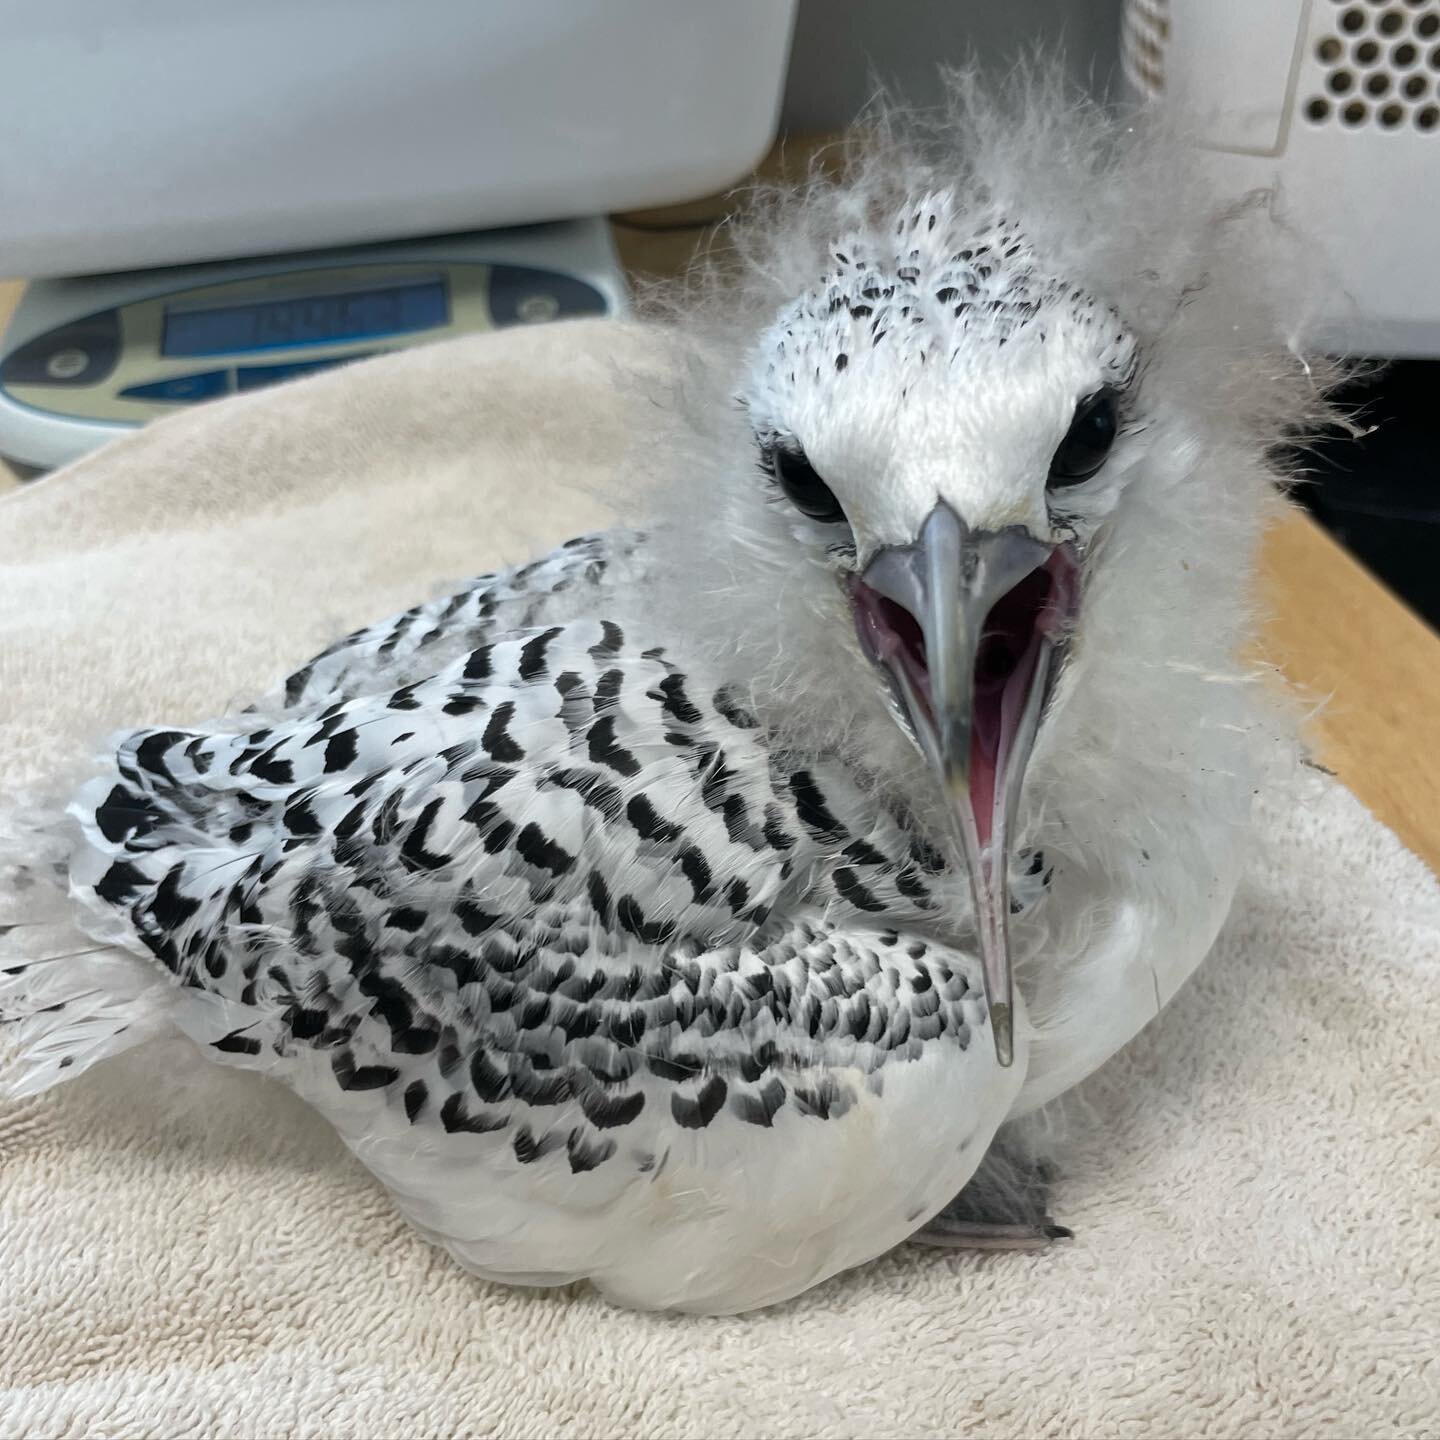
x=1336 y=632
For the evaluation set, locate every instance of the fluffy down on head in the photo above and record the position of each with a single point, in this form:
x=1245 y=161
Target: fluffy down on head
x=1047 y=245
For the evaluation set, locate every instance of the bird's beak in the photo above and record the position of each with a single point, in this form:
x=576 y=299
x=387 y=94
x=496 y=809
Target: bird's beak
x=965 y=626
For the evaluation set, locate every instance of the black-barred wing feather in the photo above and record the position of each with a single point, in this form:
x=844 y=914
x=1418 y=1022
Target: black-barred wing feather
x=510 y=852
x=417 y=641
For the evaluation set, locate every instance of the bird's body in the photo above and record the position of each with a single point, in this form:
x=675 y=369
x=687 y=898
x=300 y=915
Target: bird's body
x=584 y=972
x=602 y=906
x=592 y=982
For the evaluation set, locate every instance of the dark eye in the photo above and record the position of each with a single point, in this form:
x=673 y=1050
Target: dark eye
x=805 y=490
x=1087 y=443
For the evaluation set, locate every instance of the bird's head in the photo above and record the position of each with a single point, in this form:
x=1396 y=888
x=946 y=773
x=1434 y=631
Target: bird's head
x=943 y=422
x=984 y=519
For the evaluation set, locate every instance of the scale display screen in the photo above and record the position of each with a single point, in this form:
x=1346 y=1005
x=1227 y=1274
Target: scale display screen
x=306 y=320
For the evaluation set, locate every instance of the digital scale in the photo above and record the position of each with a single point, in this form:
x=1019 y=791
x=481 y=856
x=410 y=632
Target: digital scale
x=88 y=358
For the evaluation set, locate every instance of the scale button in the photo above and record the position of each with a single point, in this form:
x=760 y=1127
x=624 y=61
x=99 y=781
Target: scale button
x=67 y=364
x=182 y=389
x=522 y=296
x=80 y=353
x=536 y=309
x=256 y=377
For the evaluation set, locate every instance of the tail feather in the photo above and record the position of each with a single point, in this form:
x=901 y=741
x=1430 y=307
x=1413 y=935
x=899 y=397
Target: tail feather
x=52 y=937
x=67 y=998
x=68 y=1049
x=60 y=1013
x=114 y=905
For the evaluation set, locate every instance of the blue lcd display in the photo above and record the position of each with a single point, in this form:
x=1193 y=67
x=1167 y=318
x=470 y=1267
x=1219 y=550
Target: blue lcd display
x=306 y=320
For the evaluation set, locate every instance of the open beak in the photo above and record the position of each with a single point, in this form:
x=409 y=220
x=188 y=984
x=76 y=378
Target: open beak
x=965 y=625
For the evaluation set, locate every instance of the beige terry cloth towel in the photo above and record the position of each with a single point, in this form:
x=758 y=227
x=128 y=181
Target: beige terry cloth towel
x=189 y=1252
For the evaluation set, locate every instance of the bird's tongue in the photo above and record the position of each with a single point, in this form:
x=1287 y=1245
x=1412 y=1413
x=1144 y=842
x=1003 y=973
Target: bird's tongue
x=1005 y=666
x=1004 y=672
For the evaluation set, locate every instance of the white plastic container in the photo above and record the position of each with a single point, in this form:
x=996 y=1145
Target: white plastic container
x=136 y=133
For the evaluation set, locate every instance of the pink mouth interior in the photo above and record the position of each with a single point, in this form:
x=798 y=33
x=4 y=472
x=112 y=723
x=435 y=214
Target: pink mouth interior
x=1005 y=667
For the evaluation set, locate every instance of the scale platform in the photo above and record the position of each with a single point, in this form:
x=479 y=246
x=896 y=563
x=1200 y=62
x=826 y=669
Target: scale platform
x=86 y=359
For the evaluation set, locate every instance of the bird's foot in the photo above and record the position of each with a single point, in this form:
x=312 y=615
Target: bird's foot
x=963 y=1234
x=1005 y=1205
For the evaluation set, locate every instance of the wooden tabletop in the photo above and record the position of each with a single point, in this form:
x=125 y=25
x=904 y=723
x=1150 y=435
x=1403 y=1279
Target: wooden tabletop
x=1336 y=632
x=1332 y=629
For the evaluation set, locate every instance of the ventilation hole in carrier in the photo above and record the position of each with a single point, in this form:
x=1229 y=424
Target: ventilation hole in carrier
x=1369 y=67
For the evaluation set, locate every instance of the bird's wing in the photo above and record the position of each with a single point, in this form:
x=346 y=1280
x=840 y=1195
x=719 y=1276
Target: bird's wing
x=418 y=641
x=525 y=927
x=550 y=769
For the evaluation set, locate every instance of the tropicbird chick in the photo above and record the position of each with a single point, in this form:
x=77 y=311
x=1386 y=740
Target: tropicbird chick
x=686 y=910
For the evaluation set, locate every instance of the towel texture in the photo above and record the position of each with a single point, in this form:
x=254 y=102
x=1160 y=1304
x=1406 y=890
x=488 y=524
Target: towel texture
x=185 y=1252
